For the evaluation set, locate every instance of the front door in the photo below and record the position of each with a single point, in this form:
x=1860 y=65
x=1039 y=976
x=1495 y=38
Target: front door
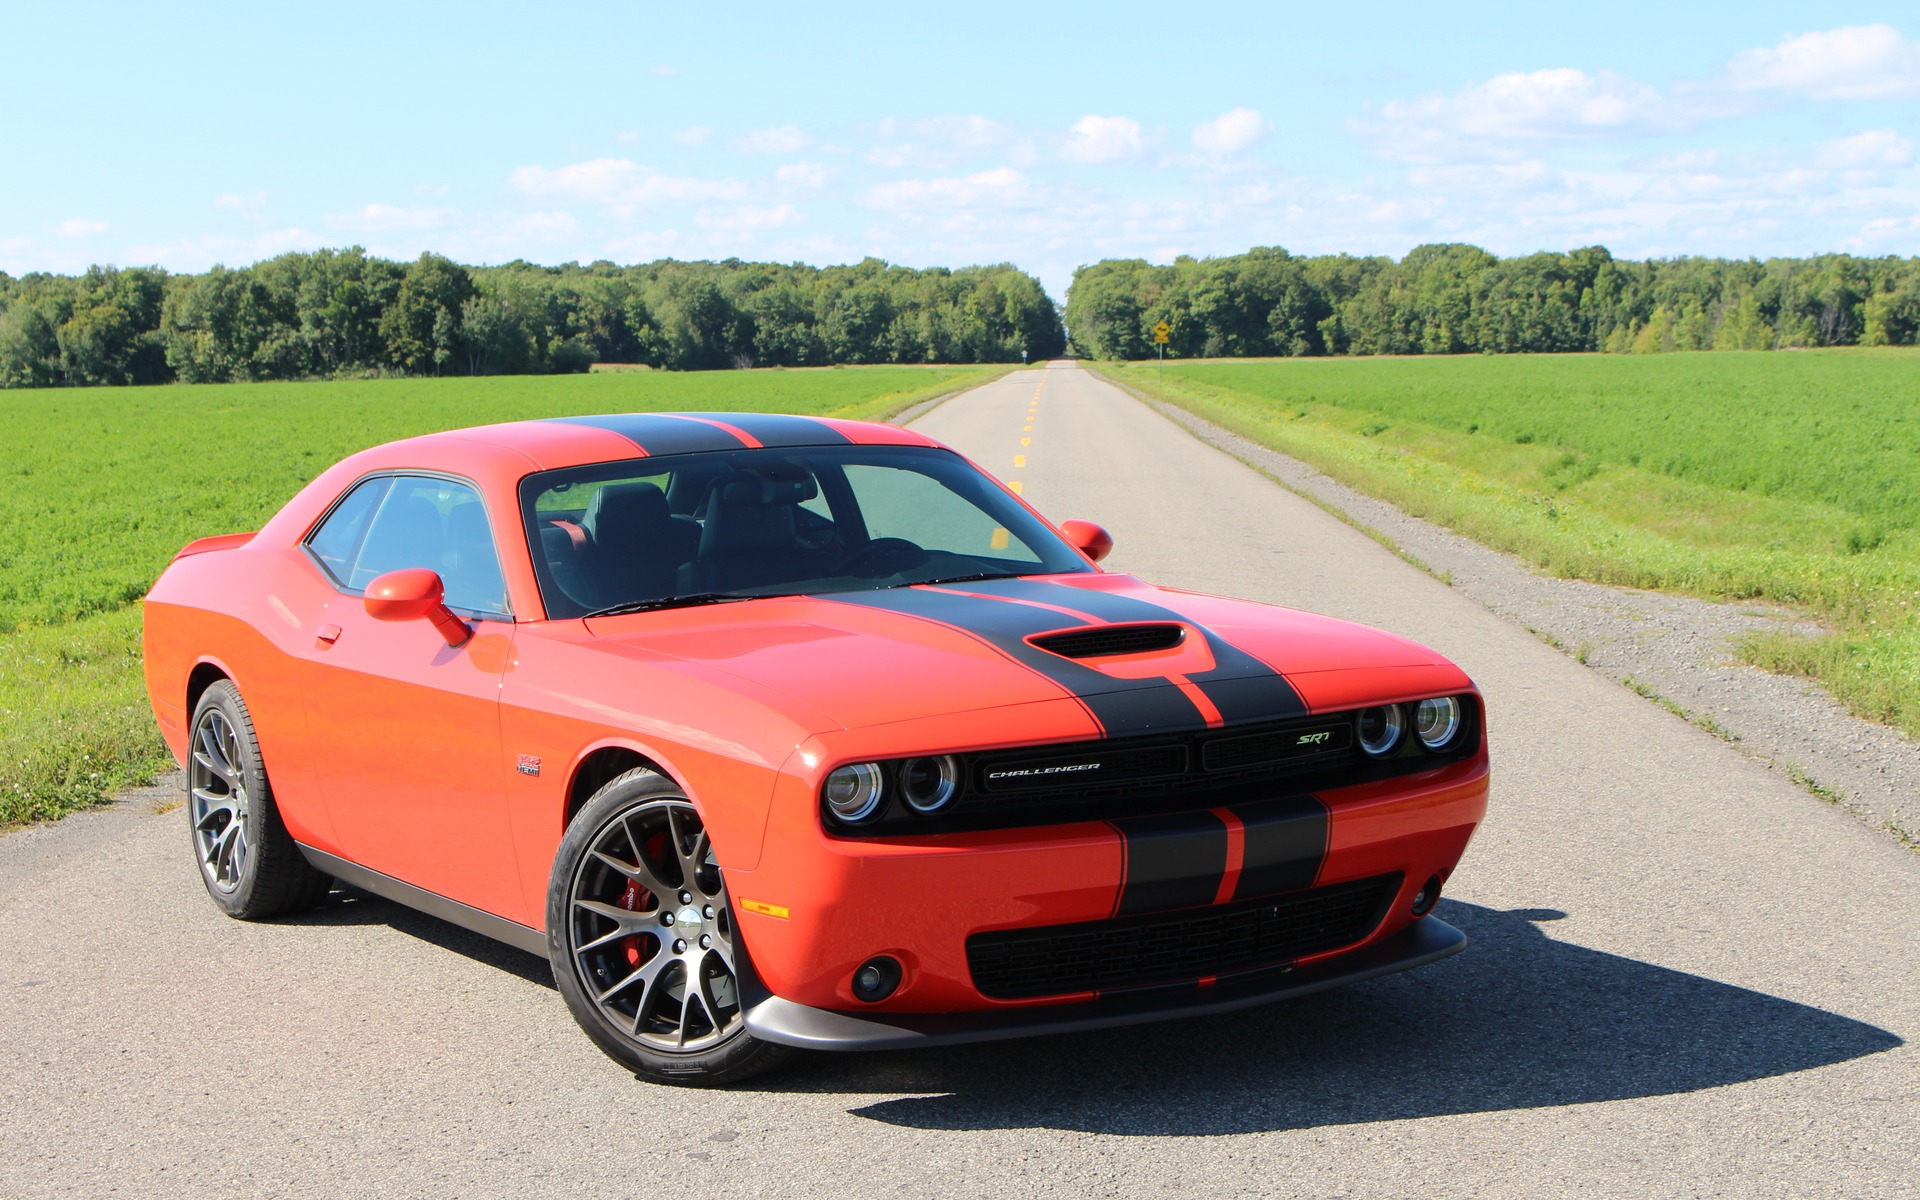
x=410 y=726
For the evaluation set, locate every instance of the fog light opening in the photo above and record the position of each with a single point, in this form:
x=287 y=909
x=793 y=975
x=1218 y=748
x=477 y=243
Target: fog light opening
x=1427 y=896
x=877 y=978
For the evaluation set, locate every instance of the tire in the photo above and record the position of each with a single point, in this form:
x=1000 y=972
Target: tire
x=634 y=872
x=248 y=860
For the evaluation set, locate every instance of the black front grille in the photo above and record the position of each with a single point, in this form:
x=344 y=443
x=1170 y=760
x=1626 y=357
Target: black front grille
x=1177 y=947
x=1111 y=778
x=1106 y=641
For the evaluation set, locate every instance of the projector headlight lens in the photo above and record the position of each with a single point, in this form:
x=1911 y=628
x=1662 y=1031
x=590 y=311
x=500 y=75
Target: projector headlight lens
x=854 y=792
x=1437 y=722
x=1381 y=729
x=929 y=784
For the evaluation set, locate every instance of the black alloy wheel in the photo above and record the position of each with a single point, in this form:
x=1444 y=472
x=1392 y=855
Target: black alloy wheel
x=642 y=940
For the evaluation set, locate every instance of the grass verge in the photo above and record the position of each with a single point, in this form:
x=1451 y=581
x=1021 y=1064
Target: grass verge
x=1584 y=504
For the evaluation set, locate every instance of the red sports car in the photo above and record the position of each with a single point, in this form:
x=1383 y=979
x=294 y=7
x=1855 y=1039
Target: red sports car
x=775 y=732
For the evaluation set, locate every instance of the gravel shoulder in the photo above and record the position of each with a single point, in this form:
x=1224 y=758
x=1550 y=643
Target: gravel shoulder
x=1677 y=651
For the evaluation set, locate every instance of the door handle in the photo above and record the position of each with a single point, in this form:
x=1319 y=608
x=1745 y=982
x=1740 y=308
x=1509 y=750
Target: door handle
x=328 y=635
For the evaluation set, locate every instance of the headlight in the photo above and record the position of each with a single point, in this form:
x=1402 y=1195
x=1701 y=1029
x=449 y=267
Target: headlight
x=1437 y=722
x=854 y=791
x=929 y=784
x=1381 y=729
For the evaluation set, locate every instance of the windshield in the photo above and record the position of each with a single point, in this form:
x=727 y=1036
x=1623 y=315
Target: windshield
x=701 y=528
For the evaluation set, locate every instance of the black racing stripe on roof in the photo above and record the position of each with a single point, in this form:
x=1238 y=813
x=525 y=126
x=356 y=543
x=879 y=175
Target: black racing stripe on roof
x=657 y=433
x=1241 y=686
x=1175 y=860
x=1121 y=706
x=778 y=429
x=1285 y=845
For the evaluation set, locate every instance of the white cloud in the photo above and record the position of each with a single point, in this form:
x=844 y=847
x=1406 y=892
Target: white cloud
x=750 y=218
x=1876 y=233
x=664 y=71
x=1515 y=108
x=247 y=204
x=1231 y=132
x=1854 y=62
x=1876 y=149
x=197 y=254
x=784 y=139
x=80 y=227
x=1104 y=139
x=389 y=218
x=620 y=181
x=693 y=135
x=998 y=187
x=938 y=142
x=803 y=174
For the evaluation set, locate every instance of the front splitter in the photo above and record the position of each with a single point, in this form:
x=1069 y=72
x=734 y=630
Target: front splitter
x=775 y=1020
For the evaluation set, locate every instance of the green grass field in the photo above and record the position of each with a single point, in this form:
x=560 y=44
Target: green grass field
x=1785 y=477
x=104 y=484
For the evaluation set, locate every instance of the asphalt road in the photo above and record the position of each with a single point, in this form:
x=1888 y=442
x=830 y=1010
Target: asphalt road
x=1688 y=978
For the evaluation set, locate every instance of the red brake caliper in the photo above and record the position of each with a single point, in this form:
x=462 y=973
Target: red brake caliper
x=634 y=899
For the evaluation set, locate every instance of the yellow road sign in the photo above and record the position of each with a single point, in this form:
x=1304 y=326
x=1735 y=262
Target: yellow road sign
x=1160 y=333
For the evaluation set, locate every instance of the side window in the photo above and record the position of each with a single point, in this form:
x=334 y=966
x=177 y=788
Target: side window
x=337 y=540
x=417 y=521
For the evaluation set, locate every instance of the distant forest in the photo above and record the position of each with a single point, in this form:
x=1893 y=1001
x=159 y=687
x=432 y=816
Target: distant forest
x=1454 y=299
x=344 y=313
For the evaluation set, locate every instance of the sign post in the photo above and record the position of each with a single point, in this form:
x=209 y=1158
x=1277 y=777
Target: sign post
x=1160 y=333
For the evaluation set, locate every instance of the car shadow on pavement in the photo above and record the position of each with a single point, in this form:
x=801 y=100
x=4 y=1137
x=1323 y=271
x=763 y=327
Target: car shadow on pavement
x=347 y=905
x=1518 y=1021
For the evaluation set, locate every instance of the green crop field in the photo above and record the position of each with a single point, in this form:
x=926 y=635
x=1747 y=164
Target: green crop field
x=1791 y=477
x=104 y=484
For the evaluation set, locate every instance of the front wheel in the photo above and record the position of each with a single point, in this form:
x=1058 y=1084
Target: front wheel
x=642 y=939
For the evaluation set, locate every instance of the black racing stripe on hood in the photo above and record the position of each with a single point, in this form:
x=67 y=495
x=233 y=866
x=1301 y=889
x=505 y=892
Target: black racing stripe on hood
x=1285 y=845
x=1122 y=706
x=1172 y=861
x=1241 y=686
x=781 y=430
x=657 y=433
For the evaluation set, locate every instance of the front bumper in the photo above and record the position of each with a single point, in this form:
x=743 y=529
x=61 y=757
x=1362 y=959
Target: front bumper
x=773 y=1019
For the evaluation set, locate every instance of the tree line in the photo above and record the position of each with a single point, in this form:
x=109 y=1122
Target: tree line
x=1457 y=299
x=345 y=313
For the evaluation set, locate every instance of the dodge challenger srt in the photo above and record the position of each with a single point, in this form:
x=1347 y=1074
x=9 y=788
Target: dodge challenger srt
x=775 y=732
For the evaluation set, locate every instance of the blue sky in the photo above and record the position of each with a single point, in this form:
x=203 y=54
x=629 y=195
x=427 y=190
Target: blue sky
x=1044 y=135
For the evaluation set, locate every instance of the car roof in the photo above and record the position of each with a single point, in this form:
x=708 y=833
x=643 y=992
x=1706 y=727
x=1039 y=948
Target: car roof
x=575 y=441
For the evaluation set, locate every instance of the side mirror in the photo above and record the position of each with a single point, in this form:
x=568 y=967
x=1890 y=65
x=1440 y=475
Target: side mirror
x=1088 y=538
x=412 y=593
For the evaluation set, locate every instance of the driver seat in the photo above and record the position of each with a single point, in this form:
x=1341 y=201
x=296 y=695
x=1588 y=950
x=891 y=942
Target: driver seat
x=749 y=539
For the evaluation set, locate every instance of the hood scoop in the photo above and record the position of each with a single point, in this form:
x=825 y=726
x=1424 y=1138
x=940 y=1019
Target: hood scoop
x=1110 y=641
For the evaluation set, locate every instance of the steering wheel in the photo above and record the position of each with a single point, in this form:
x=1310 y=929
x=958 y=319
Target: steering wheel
x=882 y=556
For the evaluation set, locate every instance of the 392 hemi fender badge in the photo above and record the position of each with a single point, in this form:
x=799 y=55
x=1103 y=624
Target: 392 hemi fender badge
x=528 y=764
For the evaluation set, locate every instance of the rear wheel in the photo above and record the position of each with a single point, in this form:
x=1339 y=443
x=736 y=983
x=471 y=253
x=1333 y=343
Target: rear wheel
x=247 y=858
x=642 y=939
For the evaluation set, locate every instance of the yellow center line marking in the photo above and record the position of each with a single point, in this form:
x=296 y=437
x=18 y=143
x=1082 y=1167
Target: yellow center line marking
x=1026 y=441
x=999 y=540
x=1026 y=429
x=1019 y=460
x=1015 y=485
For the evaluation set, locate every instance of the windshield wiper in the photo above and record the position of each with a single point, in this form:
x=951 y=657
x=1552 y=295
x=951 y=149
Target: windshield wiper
x=962 y=579
x=687 y=601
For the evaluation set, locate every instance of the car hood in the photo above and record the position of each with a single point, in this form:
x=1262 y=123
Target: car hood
x=903 y=654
